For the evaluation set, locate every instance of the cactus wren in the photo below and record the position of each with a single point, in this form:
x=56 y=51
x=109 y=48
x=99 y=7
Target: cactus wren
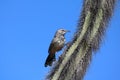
x=56 y=45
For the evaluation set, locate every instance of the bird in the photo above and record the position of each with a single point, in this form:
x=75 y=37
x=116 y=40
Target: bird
x=57 y=43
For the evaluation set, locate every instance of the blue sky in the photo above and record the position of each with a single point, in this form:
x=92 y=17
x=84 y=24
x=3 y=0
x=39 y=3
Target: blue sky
x=26 y=30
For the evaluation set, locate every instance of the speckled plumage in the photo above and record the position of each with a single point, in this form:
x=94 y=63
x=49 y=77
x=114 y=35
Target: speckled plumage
x=56 y=45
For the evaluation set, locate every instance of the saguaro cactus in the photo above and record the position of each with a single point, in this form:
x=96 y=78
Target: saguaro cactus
x=93 y=21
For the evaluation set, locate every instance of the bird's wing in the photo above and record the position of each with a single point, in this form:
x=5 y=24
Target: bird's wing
x=52 y=47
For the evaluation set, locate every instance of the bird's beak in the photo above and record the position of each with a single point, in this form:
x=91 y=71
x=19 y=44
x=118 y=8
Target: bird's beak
x=67 y=31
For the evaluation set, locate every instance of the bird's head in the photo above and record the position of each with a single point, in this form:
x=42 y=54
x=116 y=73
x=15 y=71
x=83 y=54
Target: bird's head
x=62 y=31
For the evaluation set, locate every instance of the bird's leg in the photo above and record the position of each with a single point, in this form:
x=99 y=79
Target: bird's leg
x=68 y=44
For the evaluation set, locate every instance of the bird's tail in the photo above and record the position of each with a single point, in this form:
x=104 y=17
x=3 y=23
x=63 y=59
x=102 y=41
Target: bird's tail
x=50 y=59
